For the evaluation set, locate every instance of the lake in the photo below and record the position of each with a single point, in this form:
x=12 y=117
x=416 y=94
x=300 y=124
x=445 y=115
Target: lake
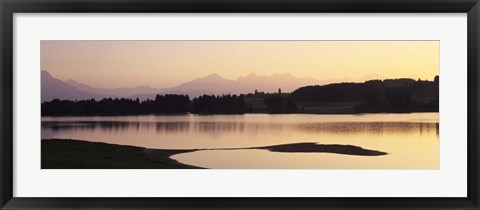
x=411 y=140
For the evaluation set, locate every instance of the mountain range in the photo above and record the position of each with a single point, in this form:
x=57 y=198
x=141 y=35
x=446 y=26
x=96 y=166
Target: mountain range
x=118 y=92
x=215 y=84
x=53 y=88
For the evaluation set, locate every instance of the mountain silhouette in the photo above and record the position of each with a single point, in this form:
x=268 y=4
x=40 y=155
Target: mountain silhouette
x=52 y=88
x=212 y=84
x=217 y=85
x=119 y=92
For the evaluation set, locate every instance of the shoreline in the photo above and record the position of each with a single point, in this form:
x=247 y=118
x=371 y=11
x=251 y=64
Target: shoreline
x=207 y=114
x=80 y=154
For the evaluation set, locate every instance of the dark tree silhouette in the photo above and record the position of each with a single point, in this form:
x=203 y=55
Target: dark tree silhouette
x=393 y=95
x=163 y=104
x=278 y=104
x=225 y=104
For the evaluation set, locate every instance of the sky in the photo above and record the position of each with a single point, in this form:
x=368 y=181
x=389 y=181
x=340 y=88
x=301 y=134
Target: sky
x=164 y=64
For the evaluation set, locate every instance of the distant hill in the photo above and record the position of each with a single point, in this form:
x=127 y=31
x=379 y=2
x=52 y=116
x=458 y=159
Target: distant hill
x=217 y=85
x=350 y=91
x=389 y=95
x=212 y=84
x=52 y=88
x=119 y=92
x=402 y=95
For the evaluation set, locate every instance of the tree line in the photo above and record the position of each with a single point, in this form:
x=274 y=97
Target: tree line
x=395 y=95
x=162 y=104
x=390 y=95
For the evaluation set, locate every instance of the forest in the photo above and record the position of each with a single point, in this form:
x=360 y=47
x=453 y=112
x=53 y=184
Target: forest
x=391 y=95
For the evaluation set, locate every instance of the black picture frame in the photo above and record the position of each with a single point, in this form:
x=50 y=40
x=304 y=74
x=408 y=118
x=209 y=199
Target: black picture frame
x=10 y=7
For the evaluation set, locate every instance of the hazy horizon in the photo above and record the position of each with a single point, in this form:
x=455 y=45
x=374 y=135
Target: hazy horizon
x=164 y=64
x=332 y=80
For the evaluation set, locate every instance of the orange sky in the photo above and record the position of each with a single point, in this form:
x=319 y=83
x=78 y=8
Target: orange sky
x=161 y=64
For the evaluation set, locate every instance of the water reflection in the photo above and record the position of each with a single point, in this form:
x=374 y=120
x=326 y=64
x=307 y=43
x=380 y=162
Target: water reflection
x=240 y=127
x=411 y=140
x=171 y=127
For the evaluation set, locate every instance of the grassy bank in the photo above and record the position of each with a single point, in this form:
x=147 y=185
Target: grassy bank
x=74 y=154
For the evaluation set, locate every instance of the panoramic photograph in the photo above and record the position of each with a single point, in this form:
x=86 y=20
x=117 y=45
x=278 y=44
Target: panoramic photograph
x=240 y=104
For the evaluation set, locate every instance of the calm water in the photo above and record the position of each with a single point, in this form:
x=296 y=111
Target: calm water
x=412 y=140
